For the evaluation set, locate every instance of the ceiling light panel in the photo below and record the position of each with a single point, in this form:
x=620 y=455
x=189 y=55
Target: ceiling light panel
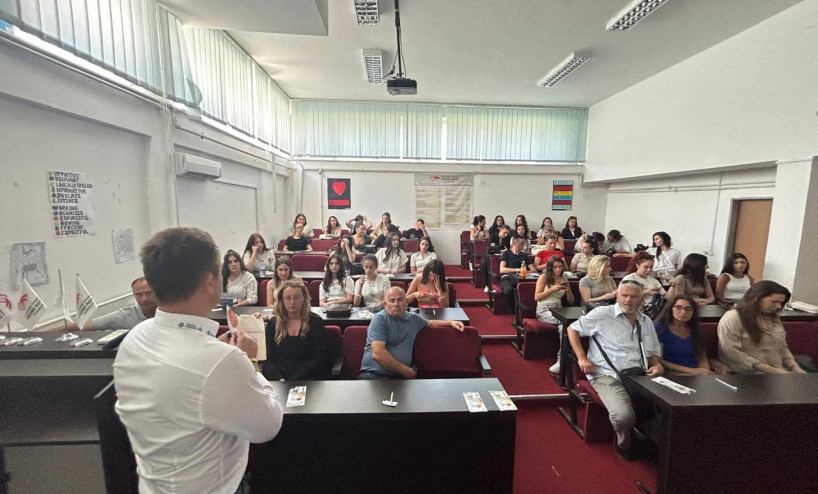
x=632 y=14
x=367 y=12
x=373 y=65
x=565 y=68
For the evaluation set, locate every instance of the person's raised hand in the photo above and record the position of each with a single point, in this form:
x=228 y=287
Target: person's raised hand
x=246 y=343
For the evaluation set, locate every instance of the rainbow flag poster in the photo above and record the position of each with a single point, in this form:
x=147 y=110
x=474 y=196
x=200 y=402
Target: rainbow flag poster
x=563 y=195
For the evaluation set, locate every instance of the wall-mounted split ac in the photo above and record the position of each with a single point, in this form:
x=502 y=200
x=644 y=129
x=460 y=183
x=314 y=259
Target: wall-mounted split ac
x=192 y=166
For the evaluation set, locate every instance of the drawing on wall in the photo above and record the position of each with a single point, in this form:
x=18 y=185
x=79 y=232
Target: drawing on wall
x=122 y=238
x=28 y=262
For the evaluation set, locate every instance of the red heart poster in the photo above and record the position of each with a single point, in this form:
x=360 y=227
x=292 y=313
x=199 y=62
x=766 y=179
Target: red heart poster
x=338 y=193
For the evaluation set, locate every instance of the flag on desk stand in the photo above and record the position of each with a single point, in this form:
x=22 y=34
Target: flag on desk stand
x=67 y=336
x=30 y=308
x=6 y=315
x=85 y=304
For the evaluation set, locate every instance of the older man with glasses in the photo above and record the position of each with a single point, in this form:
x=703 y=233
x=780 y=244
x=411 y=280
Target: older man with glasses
x=622 y=341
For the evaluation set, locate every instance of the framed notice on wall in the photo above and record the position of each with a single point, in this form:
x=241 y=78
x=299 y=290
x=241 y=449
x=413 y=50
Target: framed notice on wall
x=338 y=193
x=563 y=195
x=444 y=201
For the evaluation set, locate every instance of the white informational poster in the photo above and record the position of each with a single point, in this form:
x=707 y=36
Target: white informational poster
x=122 y=238
x=444 y=201
x=72 y=203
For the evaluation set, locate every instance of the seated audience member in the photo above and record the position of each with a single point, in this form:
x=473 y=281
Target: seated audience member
x=430 y=289
x=425 y=253
x=522 y=232
x=283 y=272
x=617 y=330
x=344 y=250
x=550 y=250
x=683 y=346
x=390 y=339
x=370 y=288
x=256 y=253
x=381 y=241
x=733 y=282
x=552 y=286
x=126 y=317
x=751 y=336
x=597 y=287
x=337 y=287
x=351 y=223
x=579 y=263
x=392 y=259
x=477 y=230
x=667 y=258
x=572 y=231
x=360 y=239
x=616 y=243
x=597 y=237
x=639 y=269
x=691 y=280
x=237 y=282
x=297 y=343
x=546 y=222
x=382 y=227
x=191 y=403
x=520 y=220
x=510 y=263
x=494 y=229
x=298 y=241
x=333 y=228
x=503 y=244
x=419 y=231
x=300 y=219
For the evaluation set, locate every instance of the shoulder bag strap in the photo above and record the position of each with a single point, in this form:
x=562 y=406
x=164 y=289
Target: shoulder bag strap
x=605 y=355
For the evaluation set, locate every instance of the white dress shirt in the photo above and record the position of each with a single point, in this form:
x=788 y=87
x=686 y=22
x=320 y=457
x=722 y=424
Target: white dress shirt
x=191 y=405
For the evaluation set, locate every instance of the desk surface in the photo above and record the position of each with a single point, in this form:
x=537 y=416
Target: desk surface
x=446 y=314
x=51 y=349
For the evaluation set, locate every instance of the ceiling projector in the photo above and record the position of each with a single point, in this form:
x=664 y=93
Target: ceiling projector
x=401 y=85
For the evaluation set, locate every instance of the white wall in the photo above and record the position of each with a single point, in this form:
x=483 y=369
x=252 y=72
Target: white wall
x=498 y=189
x=55 y=118
x=749 y=99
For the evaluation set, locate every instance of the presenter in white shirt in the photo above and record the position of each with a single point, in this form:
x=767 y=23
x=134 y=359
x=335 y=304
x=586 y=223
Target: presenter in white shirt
x=191 y=403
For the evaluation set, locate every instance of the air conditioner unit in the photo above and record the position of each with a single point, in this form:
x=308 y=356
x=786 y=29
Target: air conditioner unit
x=192 y=166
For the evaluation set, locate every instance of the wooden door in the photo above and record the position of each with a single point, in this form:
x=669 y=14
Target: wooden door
x=752 y=226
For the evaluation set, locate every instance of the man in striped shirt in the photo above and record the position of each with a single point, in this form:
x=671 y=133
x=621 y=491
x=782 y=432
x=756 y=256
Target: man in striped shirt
x=614 y=327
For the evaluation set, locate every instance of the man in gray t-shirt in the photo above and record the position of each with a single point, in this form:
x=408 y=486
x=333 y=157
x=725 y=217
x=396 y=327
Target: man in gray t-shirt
x=390 y=339
x=126 y=317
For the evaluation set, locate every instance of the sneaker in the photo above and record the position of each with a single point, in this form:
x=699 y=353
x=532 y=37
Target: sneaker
x=626 y=454
x=555 y=369
x=487 y=289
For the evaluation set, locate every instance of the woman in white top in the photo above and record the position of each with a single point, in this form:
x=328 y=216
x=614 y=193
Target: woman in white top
x=579 y=263
x=371 y=287
x=425 y=253
x=337 y=287
x=667 y=258
x=392 y=259
x=546 y=222
x=333 y=228
x=522 y=231
x=283 y=272
x=477 y=230
x=300 y=219
x=639 y=268
x=237 y=282
x=734 y=281
x=551 y=287
x=256 y=253
x=382 y=227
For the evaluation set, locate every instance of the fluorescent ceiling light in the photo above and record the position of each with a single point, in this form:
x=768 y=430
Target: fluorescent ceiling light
x=633 y=13
x=373 y=65
x=562 y=70
x=367 y=12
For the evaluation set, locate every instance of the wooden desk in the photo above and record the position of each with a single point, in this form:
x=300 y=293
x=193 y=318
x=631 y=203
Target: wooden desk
x=50 y=349
x=755 y=439
x=344 y=440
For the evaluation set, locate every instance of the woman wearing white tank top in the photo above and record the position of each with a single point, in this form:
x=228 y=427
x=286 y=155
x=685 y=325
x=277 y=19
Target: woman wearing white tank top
x=734 y=281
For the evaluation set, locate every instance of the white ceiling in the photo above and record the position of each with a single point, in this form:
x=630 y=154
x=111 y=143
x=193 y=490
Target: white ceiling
x=472 y=51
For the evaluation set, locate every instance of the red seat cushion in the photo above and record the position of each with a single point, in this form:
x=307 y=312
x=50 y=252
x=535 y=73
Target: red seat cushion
x=536 y=326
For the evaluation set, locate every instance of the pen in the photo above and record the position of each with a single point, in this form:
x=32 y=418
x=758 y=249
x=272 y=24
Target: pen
x=734 y=388
x=391 y=395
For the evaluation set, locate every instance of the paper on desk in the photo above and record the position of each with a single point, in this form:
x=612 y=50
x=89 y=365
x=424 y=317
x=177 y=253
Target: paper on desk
x=673 y=385
x=297 y=396
x=365 y=314
x=474 y=402
x=252 y=327
x=502 y=400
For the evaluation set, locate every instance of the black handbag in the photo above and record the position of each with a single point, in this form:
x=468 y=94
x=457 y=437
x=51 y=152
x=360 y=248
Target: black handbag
x=654 y=305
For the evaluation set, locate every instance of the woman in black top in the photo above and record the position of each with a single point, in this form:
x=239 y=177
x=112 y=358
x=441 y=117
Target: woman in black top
x=572 y=231
x=494 y=229
x=297 y=343
x=298 y=241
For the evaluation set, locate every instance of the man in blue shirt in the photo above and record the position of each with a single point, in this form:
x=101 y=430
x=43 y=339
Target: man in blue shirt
x=615 y=329
x=390 y=339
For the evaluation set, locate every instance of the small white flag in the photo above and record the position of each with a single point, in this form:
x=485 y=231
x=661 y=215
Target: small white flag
x=62 y=300
x=6 y=314
x=85 y=304
x=30 y=308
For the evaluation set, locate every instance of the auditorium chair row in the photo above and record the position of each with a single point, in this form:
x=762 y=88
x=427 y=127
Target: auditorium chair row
x=314 y=291
x=325 y=244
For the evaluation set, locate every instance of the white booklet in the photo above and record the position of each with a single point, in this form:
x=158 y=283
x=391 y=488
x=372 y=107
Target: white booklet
x=252 y=327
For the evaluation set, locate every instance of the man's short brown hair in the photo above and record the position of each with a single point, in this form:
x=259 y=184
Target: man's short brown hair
x=174 y=261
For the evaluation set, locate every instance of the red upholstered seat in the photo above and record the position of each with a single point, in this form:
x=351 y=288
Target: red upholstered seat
x=410 y=246
x=281 y=243
x=354 y=341
x=324 y=243
x=540 y=339
x=398 y=283
x=498 y=301
x=444 y=353
x=334 y=352
x=620 y=263
x=317 y=231
x=569 y=245
x=711 y=338
x=308 y=262
x=262 y=292
x=314 y=291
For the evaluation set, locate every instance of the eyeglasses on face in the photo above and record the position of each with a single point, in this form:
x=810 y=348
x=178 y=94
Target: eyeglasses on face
x=293 y=298
x=683 y=308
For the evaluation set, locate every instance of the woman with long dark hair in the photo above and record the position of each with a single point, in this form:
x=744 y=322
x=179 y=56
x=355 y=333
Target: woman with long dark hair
x=734 y=280
x=237 y=282
x=430 y=289
x=683 y=346
x=691 y=280
x=425 y=254
x=667 y=258
x=300 y=219
x=494 y=229
x=282 y=272
x=333 y=228
x=477 y=230
x=572 y=231
x=639 y=269
x=337 y=287
x=391 y=259
x=257 y=254
x=551 y=287
x=372 y=286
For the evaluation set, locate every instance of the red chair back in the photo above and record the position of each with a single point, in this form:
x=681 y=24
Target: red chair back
x=525 y=294
x=262 y=292
x=574 y=284
x=344 y=232
x=620 y=263
x=569 y=245
x=494 y=266
x=308 y=262
x=334 y=343
x=452 y=294
x=711 y=338
x=314 y=291
x=398 y=283
x=444 y=353
x=324 y=243
x=480 y=248
x=353 y=344
x=281 y=243
x=410 y=246
x=316 y=232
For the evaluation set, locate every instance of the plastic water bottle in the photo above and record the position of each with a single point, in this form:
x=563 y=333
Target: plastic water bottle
x=262 y=268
